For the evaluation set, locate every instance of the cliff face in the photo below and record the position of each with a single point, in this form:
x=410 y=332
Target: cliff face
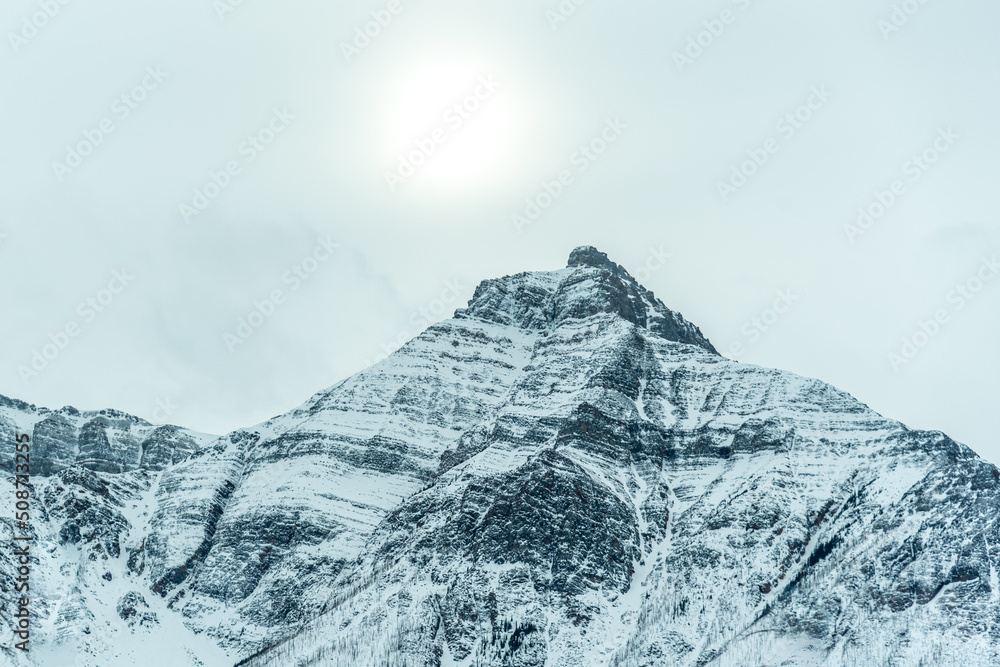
x=565 y=473
x=93 y=475
x=103 y=441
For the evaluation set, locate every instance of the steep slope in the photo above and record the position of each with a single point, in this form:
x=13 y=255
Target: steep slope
x=93 y=474
x=638 y=500
x=302 y=491
x=564 y=473
x=300 y=496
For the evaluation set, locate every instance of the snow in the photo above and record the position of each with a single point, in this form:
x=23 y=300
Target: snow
x=768 y=474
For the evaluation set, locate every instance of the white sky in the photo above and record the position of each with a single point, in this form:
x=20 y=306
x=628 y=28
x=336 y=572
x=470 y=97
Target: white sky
x=160 y=341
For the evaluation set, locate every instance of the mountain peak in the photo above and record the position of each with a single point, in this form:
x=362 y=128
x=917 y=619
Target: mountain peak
x=590 y=286
x=540 y=480
x=588 y=255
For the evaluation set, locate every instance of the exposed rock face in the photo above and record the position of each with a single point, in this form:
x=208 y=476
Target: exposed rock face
x=164 y=446
x=107 y=441
x=592 y=284
x=565 y=473
x=132 y=608
x=93 y=474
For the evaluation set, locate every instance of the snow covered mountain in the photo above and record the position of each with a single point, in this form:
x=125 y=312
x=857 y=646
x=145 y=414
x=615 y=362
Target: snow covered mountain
x=564 y=473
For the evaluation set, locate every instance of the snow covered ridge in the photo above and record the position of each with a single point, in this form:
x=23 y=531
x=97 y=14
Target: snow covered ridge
x=103 y=440
x=565 y=473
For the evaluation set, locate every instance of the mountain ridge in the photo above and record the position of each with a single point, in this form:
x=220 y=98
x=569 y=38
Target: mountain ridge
x=566 y=472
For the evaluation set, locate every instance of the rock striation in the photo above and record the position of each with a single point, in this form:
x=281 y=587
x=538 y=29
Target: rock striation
x=564 y=473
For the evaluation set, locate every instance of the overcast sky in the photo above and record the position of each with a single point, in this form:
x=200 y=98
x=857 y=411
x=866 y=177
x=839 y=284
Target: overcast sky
x=167 y=167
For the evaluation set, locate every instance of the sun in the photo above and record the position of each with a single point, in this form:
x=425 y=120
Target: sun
x=452 y=126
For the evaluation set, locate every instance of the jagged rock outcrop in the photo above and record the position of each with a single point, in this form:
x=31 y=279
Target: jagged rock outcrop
x=107 y=441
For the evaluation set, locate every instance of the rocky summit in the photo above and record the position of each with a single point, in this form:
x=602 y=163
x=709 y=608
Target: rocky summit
x=565 y=473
